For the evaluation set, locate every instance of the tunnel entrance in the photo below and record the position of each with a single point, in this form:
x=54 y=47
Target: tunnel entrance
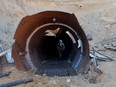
x=51 y=43
x=55 y=49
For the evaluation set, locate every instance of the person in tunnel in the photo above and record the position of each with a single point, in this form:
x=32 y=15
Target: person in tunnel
x=60 y=48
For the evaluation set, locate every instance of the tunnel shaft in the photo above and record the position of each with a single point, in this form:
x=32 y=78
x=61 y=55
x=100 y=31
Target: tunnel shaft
x=51 y=43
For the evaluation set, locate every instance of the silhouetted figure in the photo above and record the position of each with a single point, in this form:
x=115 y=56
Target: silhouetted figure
x=60 y=47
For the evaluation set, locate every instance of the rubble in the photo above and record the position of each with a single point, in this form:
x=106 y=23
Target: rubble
x=4 y=53
x=89 y=37
x=17 y=82
x=9 y=57
x=100 y=56
x=5 y=74
x=2 y=57
x=93 y=72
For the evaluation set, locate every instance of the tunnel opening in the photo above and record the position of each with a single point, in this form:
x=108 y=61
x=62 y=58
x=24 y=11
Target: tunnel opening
x=53 y=48
x=51 y=43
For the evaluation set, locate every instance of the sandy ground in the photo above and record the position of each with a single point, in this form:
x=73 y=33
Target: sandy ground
x=97 y=18
x=107 y=79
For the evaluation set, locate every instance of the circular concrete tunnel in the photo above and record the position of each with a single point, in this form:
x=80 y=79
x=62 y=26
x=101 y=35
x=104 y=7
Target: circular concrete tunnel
x=51 y=43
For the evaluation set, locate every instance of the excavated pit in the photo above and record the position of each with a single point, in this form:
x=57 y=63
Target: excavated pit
x=51 y=43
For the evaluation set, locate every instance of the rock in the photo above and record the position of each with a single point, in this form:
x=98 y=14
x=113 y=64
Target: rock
x=89 y=37
x=68 y=80
x=93 y=80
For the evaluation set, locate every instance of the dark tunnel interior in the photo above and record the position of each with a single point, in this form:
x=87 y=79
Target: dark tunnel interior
x=49 y=47
x=48 y=53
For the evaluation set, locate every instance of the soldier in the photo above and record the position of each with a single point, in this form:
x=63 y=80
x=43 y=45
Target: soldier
x=60 y=48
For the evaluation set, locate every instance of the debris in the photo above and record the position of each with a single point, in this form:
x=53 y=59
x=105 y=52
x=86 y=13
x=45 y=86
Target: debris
x=9 y=57
x=93 y=73
x=2 y=57
x=100 y=56
x=109 y=44
x=68 y=80
x=17 y=82
x=4 y=53
x=5 y=74
x=93 y=80
x=110 y=48
x=110 y=40
x=89 y=37
x=105 y=56
x=52 y=32
x=95 y=57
